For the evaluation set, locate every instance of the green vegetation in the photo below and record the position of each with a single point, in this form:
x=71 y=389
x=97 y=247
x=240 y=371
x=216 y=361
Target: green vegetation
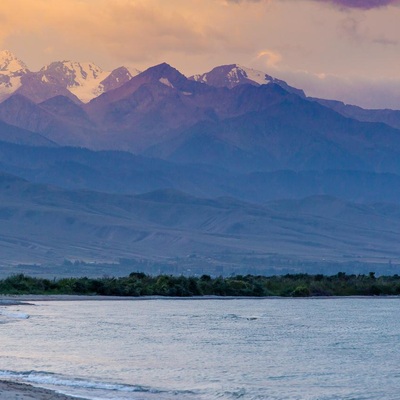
x=140 y=284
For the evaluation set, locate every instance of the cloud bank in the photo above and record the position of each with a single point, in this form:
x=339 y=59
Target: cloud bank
x=361 y=4
x=340 y=38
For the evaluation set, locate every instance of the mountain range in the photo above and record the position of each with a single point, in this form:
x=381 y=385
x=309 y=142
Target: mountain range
x=78 y=81
x=248 y=142
x=228 y=123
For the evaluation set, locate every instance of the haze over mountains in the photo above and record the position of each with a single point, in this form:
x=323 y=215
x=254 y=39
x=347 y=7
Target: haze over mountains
x=45 y=225
x=231 y=133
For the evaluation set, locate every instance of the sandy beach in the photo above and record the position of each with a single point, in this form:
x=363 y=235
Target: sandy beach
x=20 y=391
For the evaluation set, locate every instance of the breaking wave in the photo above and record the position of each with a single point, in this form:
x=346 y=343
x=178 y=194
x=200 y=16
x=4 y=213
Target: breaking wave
x=67 y=385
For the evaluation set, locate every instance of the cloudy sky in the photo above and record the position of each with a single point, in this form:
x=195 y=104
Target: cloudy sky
x=339 y=49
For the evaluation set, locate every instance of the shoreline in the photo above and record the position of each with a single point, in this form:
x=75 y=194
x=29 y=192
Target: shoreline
x=21 y=391
x=24 y=299
x=21 y=299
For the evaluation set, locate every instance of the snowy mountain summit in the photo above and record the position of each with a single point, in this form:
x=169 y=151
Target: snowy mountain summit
x=11 y=71
x=234 y=74
x=72 y=73
x=80 y=81
x=11 y=65
x=83 y=79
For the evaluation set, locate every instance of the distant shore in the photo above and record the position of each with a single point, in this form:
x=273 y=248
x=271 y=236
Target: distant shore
x=140 y=285
x=20 y=299
x=28 y=299
x=21 y=391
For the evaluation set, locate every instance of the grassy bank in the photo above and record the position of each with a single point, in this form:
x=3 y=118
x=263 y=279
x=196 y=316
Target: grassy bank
x=140 y=284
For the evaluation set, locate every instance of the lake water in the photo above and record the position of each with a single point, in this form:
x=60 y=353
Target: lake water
x=325 y=349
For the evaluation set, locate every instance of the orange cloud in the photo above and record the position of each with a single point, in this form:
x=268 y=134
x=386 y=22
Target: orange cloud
x=136 y=30
x=272 y=58
x=196 y=35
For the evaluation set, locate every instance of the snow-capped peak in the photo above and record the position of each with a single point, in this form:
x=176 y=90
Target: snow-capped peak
x=11 y=71
x=72 y=73
x=83 y=79
x=256 y=76
x=10 y=64
x=233 y=75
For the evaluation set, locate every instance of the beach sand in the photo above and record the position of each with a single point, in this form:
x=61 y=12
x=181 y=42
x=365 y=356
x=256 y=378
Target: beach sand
x=20 y=391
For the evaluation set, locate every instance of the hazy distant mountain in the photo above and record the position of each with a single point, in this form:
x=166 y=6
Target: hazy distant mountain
x=58 y=119
x=43 y=224
x=125 y=173
x=386 y=116
x=12 y=134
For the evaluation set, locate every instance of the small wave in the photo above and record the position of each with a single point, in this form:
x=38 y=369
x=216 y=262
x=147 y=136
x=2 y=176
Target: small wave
x=236 y=394
x=14 y=315
x=41 y=378
x=235 y=316
x=231 y=316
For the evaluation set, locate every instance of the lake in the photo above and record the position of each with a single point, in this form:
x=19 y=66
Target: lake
x=250 y=349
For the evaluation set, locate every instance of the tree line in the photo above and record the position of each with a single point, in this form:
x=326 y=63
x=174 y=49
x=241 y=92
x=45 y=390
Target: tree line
x=141 y=284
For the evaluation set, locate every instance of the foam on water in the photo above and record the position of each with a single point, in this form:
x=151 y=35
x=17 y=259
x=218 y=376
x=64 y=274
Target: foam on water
x=47 y=378
x=81 y=387
x=15 y=315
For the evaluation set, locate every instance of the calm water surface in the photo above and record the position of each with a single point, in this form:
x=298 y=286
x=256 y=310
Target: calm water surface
x=206 y=349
